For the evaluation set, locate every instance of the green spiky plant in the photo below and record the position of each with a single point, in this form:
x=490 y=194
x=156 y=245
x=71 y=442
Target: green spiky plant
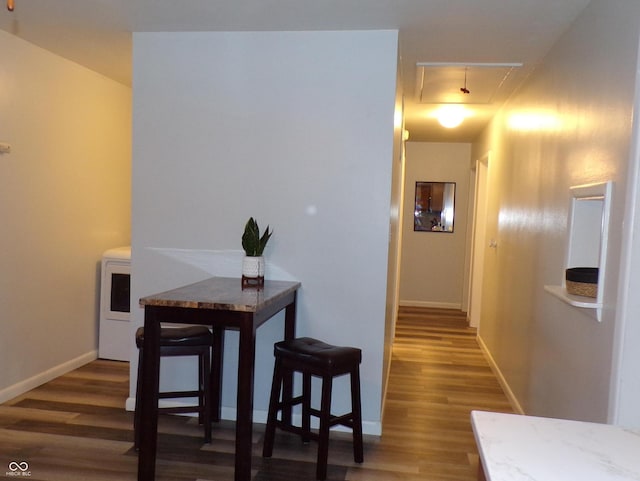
x=252 y=243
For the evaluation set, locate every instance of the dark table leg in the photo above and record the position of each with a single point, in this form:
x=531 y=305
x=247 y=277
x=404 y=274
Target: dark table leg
x=287 y=380
x=216 y=372
x=244 y=411
x=150 y=387
x=290 y=320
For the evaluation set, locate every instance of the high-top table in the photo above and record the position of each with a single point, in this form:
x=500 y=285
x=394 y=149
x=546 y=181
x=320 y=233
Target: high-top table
x=221 y=303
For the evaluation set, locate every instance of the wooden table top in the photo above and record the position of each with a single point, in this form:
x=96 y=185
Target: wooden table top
x=222 y=293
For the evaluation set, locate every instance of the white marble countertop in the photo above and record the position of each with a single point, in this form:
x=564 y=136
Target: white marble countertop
x=527 y=448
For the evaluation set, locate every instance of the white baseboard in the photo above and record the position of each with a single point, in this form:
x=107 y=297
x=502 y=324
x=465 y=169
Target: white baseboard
x=33 y=382
x=501 y=379
x=435 y=305
x=260 y=416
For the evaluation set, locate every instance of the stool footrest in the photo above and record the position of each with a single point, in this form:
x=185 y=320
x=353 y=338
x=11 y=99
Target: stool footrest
x=291 y=402
x=178 y=394
x=177 y=410
x=344 y=420
x=297 y=430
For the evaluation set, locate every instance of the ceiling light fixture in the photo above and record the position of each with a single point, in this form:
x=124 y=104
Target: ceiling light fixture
x=10 y=5
x=464 y=89
x=451 y=116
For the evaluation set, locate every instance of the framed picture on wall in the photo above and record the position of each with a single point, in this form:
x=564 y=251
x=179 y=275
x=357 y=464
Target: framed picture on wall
x=434 y=207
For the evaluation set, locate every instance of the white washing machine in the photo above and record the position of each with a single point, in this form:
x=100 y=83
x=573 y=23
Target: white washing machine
x=114 y=341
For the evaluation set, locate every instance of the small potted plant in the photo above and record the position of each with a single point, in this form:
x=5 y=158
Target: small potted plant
x=253 y=244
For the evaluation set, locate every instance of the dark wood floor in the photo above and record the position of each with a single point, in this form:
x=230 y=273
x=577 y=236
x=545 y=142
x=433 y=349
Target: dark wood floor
x=75 y=427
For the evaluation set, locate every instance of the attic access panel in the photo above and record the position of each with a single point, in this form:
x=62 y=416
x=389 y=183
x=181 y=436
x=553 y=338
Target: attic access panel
x=441 y=83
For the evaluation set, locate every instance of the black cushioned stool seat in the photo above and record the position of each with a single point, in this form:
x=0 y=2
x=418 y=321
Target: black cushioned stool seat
x=312 y=357
x=181 y=341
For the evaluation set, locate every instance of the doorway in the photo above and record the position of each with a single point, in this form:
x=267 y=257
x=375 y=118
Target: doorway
x=478 y=240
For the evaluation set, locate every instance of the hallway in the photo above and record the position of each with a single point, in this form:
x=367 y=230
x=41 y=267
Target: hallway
x=438 y=376
x=75 y=428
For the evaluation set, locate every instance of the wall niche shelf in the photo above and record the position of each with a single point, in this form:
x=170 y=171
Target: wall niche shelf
x=588 y=237
x=576 y=301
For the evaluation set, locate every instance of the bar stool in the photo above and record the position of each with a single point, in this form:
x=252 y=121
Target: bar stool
x=182 y=341
x=312 y=357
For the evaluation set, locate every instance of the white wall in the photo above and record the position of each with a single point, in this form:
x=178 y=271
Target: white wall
x=295 y=129
x=557 y=359
x=625 y=385
x=64 y=199
x=395 y=235
x=432 y=267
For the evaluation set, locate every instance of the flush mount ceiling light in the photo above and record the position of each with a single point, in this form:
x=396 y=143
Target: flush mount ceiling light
x=451 y=116
x=455 y=90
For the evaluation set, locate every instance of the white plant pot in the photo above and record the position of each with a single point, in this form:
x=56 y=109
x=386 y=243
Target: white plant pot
x=253 y=267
